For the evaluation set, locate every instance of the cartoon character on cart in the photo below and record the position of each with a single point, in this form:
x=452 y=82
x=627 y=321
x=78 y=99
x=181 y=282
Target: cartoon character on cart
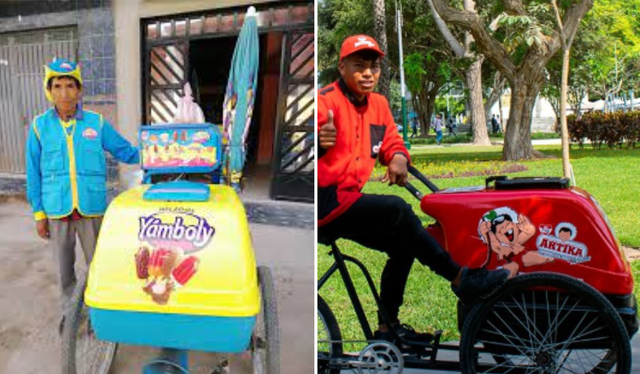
x=506 y=233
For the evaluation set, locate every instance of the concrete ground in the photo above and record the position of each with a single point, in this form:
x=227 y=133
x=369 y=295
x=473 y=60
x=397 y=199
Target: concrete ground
x=29 y=341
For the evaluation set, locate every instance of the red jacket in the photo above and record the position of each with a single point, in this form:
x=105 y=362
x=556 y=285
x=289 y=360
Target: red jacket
x=366 y=131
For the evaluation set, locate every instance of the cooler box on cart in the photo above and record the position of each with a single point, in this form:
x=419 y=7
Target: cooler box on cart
x=174 y=265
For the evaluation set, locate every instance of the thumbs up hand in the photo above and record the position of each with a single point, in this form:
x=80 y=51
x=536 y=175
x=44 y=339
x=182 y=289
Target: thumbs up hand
x=328 y=133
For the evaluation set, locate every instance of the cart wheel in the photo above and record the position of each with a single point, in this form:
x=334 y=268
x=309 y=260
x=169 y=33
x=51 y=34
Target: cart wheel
x=545 y=323
x=82 y=352
x=329 y=338
x=265 y=343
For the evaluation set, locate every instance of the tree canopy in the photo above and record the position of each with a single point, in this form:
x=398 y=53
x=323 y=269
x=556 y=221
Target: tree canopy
x=518 y=40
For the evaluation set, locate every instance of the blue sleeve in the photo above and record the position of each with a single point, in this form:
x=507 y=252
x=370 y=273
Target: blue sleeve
x=34 y=175
x=118 y=146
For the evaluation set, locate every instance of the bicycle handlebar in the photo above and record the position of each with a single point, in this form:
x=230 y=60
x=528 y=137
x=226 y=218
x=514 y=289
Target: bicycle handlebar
x=414 y=191
x=422 y=178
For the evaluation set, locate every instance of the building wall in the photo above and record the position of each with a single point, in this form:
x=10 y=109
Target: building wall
x=95 y=30
x=96 y=52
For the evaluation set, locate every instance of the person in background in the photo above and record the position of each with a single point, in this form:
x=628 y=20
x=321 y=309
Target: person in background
x=67 y=171
x=494 y=124
x=451 y=126
x=414 y=127
x=437 y=126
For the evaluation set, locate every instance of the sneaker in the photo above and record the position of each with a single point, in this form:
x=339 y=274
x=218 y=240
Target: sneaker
x=479 y=284
x=405 y=332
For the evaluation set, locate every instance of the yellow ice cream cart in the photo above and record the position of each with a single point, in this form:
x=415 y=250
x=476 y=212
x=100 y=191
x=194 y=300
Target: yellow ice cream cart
x=174 y=266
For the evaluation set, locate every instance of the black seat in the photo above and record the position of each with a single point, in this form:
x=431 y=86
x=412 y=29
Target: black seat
x=502 y=182
x=526 y=183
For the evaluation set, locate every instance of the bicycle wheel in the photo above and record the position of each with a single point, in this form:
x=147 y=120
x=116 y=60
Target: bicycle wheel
x=82 y=352
x=265 y=342
x=329 y=338
x=545 y=323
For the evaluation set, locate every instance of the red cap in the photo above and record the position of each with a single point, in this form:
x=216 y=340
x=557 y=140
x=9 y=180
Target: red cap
x=357 y=43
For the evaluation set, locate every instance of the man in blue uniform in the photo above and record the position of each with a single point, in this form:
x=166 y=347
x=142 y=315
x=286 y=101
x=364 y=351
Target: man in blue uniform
x=67 y=173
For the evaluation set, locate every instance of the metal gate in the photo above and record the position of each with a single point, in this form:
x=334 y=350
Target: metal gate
x=294 y=168
x=22 y=56
x=167 y=75
x=166 y=68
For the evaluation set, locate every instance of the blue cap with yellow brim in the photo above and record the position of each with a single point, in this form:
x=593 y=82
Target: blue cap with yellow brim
x=60 y=68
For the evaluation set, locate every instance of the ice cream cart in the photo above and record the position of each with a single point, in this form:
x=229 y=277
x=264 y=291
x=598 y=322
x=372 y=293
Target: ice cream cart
x=174 y=267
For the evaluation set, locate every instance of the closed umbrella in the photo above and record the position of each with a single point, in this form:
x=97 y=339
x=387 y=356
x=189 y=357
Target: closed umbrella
x=240 y=95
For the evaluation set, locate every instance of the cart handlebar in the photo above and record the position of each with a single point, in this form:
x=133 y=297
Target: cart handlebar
x=422 y=178
x=414 y=191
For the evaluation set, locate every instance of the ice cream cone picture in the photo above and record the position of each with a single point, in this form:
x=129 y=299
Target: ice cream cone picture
x=142 y=263
x=163 y=270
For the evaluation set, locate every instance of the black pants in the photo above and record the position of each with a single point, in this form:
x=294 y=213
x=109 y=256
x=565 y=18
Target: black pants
x=389 y=224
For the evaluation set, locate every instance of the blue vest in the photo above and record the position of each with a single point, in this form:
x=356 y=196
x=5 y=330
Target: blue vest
x=73 y=167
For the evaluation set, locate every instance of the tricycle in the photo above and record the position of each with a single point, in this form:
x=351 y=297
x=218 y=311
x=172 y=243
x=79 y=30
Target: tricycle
x=569 y=309
x=174 y=267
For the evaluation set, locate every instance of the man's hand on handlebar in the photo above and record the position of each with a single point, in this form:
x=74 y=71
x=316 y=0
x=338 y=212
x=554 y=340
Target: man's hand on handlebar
x=397 y=171
x=327 y=133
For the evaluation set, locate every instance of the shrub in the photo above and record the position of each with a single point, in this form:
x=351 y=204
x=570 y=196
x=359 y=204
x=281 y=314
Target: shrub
x=612 y=129
x=447 y=139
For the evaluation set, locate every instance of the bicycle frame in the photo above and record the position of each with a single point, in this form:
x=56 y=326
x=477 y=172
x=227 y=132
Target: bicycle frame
x=340 y=265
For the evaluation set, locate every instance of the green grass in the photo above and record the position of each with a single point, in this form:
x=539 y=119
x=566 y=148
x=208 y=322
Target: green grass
x=611 y=176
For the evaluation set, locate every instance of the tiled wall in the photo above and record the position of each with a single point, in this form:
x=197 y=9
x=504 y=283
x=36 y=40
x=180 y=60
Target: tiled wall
x=94 y=22
x=97 y=54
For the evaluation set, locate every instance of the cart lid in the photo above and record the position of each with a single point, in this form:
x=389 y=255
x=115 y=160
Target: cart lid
x=177 y=191
x=185 y=257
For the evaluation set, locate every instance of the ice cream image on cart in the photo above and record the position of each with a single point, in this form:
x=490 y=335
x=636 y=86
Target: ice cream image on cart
x=174 y=266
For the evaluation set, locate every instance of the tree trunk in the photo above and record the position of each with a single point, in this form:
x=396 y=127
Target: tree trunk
x=566 y=166
x=524 y=91
x=428 y=113
x=496 y=94
x=420 y=109
x=501 y=115
x=577 y=95
x=478 y=120
x=380 y=34
x=426 y=103
x=555 y=105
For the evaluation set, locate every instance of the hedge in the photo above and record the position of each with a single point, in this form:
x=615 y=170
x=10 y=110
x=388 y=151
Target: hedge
x=612 y=129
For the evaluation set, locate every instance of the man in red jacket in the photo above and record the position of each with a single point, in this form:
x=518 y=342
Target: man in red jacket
x=355 y=129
